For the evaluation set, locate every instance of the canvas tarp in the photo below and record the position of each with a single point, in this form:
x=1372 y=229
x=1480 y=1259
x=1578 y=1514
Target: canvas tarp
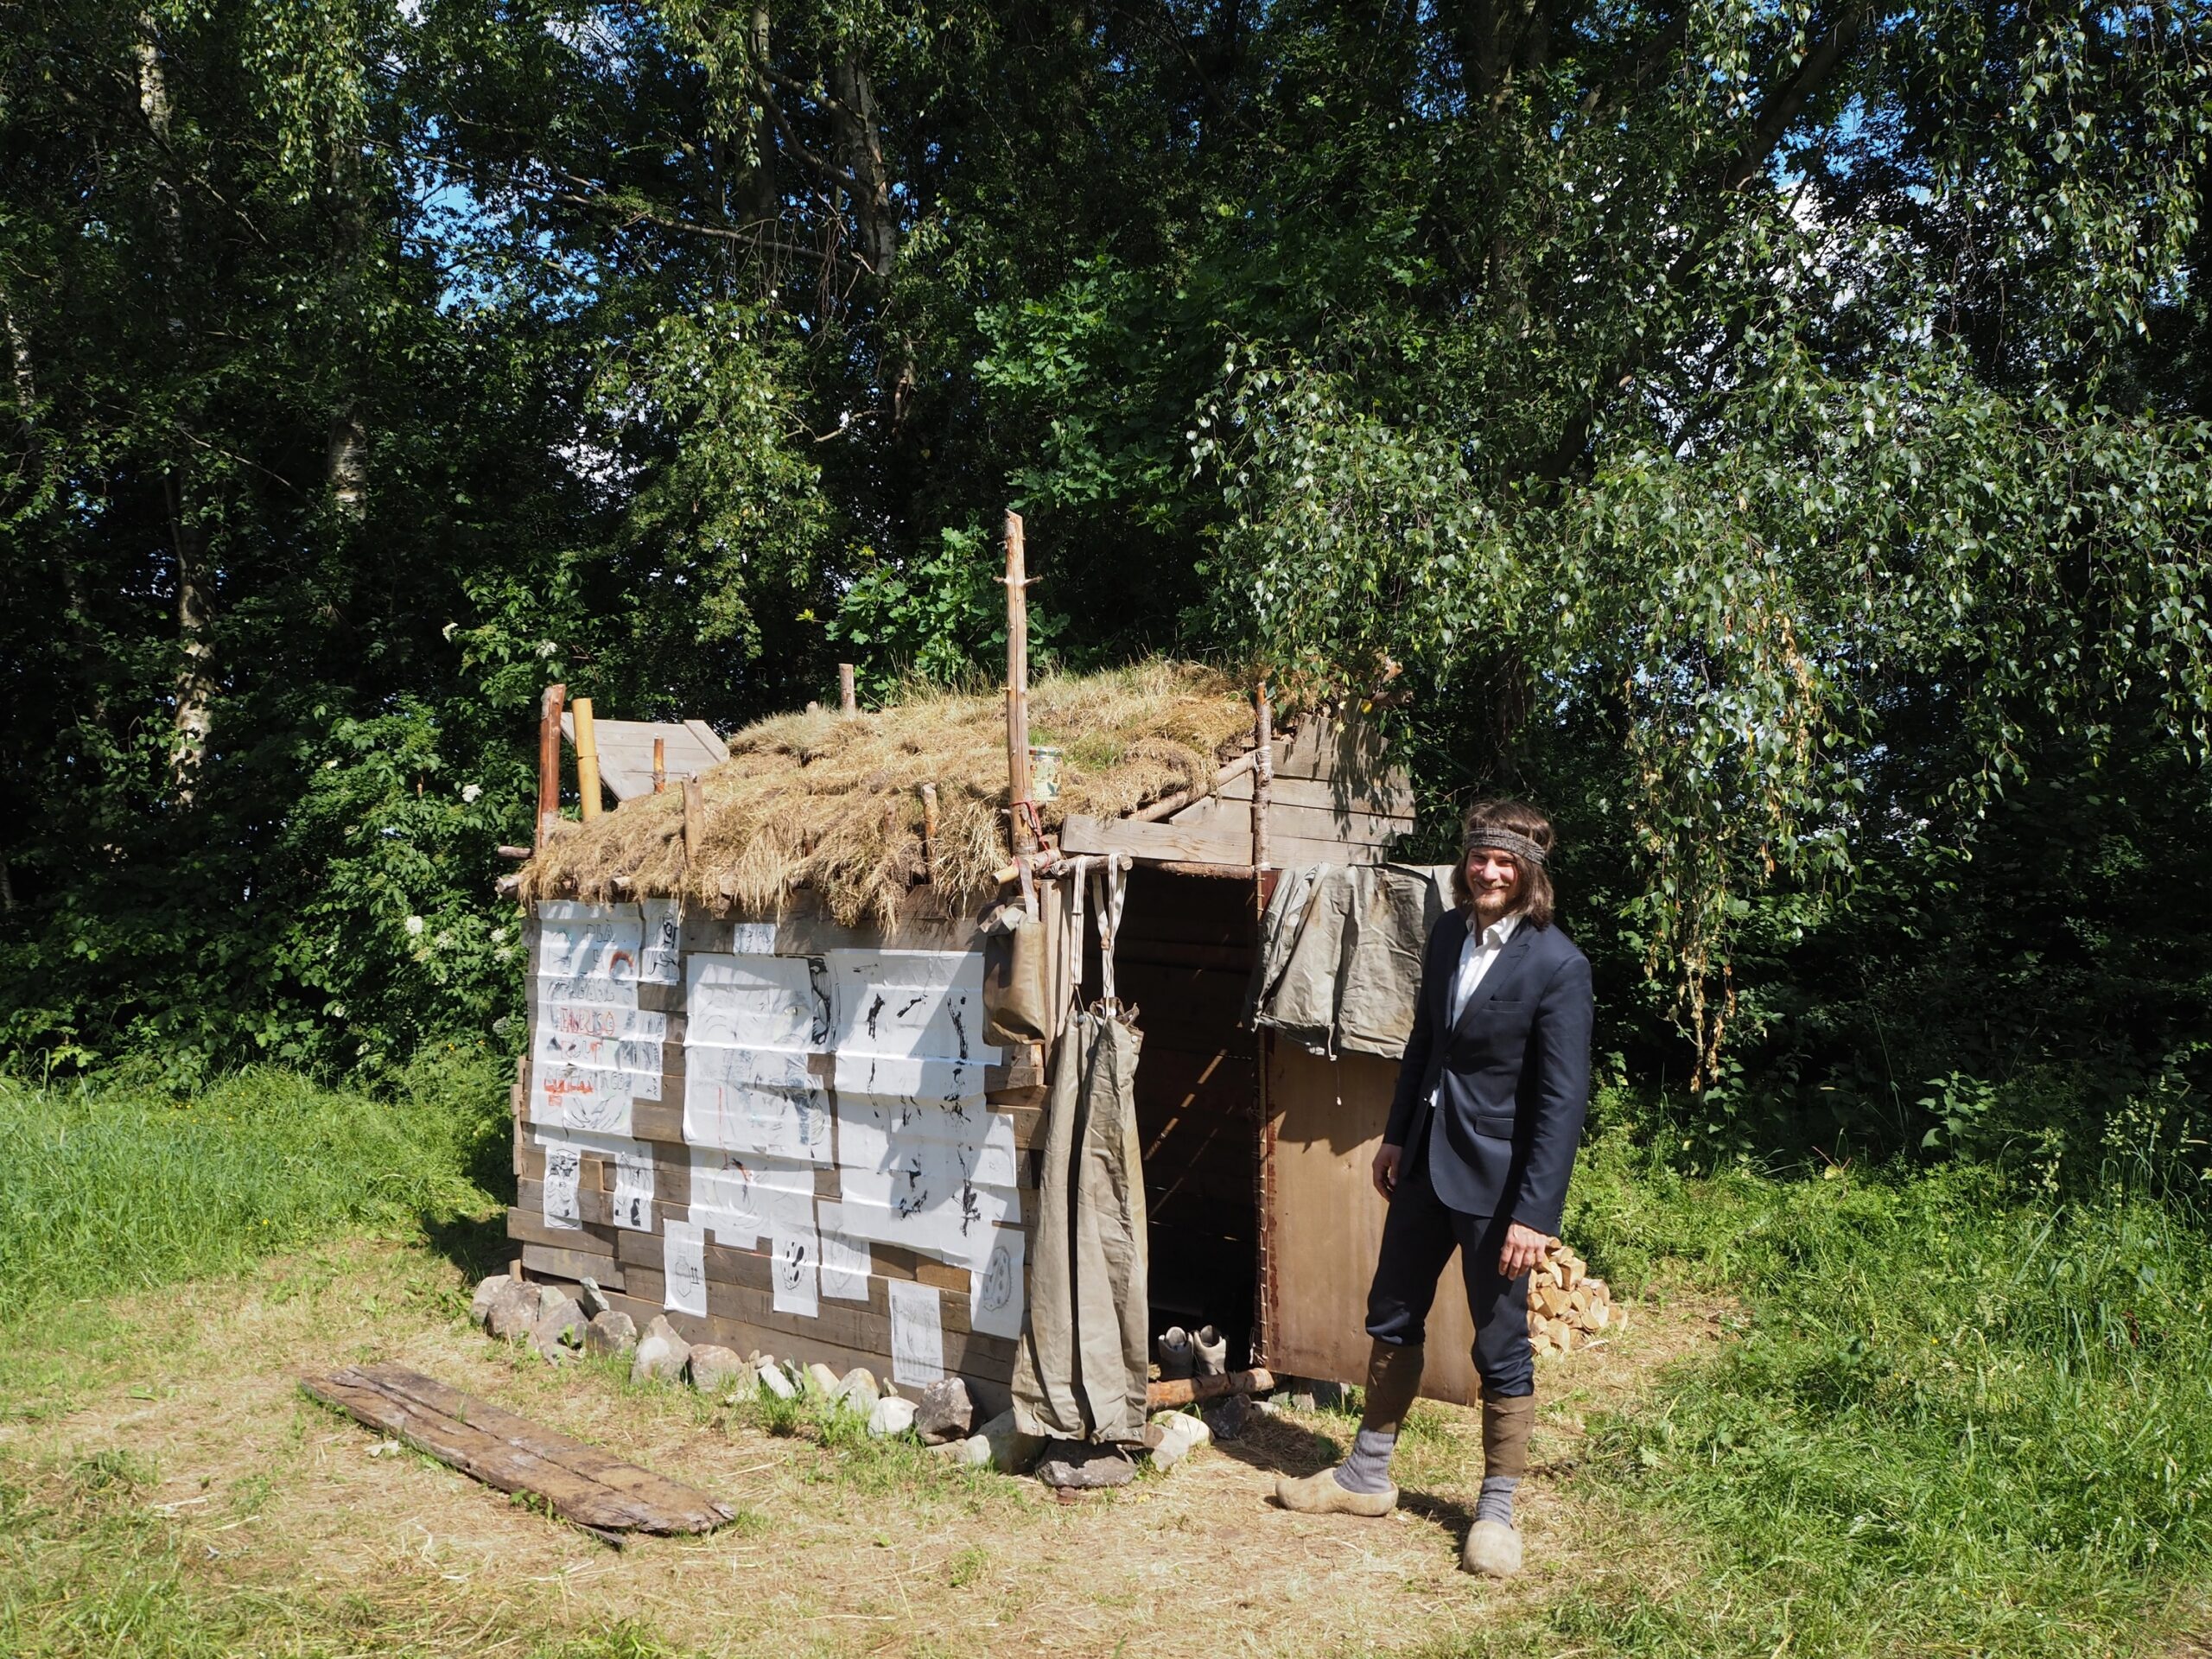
x=1080 y=1373
x=1340 y=954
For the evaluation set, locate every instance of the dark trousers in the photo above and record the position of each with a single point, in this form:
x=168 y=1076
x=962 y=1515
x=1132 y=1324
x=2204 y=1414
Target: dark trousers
x=1419 y=1236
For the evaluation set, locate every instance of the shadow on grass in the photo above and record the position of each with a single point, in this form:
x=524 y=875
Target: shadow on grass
x=477 y=1245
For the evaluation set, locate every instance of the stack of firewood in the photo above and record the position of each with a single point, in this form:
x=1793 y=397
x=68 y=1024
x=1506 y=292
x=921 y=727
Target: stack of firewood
x=1568 y=1308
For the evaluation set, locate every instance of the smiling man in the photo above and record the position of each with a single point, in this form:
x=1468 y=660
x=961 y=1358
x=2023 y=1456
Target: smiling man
x=1475 y=1157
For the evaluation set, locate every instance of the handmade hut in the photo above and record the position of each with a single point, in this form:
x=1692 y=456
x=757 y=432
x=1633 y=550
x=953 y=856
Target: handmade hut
x=759 y=1094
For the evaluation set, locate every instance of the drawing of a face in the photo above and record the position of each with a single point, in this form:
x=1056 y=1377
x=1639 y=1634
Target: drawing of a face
x=791 y=1266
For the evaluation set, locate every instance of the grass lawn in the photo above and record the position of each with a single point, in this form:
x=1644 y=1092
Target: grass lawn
x=1884 y=1415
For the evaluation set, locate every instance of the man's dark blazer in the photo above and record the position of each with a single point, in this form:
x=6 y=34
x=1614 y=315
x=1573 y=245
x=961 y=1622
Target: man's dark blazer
x=1514 y=1070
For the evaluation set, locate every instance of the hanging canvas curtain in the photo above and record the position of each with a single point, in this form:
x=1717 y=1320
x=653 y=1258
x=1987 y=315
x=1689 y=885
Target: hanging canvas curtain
x=1080 y=1374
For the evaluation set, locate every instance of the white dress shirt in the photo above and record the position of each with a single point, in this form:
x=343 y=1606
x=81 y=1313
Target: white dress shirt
x=1476 y=957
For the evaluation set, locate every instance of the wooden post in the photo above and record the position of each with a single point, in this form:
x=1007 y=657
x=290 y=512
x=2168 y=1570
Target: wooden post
x=586 y=759
x=1017 y=684
x=847 y=698
x=695 y=820
x=1263 y=777
x=660 y=765
x=928 y=828
x=549 y=762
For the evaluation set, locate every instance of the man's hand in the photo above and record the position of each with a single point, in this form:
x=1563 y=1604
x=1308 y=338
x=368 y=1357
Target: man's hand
x=1524 y=1247
x=1386 y=1170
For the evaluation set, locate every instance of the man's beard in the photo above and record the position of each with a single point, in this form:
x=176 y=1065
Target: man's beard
x=1491 y=908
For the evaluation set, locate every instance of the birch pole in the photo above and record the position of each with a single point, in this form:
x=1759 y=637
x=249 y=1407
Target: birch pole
x=1017 y=685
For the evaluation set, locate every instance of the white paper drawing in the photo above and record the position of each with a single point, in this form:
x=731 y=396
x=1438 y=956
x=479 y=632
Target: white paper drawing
x=955 y=1227
x=845 y=1261
x=589 y=1019
x=564 y=1168
x=580 y=1098
x=742 y=1197
x=917 y=1332
x=633 y=1187
x=567 y=910
x=684 y=1268
x=660 y=956
x=941 y=1082
x=995 y=1290
x=602 y=949
x=794 y=1261
x=748 y=1001
x=597 y=993
x=762 y=1100
x=927 y=1002
x=752 y=939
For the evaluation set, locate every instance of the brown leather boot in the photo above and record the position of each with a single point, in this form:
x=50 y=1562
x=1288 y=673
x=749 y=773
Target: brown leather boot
x=1393 y=1380
x=1493 y=1549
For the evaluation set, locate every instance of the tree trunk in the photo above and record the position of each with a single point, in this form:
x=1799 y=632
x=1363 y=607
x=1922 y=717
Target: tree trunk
x=859 y=146
x=196 y=675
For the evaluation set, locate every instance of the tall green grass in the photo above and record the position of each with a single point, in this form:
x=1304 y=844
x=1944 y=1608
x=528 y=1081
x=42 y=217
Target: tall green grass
x=1956 y=1423
x=105 y=1190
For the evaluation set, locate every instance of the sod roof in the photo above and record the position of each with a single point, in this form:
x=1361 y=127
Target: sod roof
x=831 y=803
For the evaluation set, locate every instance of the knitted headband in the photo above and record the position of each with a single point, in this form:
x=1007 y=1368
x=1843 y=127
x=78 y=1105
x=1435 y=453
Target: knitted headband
x=1506 y=841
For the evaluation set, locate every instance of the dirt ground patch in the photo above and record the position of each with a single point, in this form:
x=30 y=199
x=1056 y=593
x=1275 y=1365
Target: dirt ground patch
x=838 y=1549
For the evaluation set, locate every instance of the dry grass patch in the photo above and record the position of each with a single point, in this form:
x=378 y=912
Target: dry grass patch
x=263 y=1498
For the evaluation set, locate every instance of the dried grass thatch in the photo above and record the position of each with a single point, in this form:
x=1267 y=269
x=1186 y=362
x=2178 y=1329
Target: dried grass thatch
x=832 y=802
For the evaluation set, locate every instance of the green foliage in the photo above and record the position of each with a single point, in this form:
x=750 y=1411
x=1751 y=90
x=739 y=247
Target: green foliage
x=1952 y=1421
x=941 y=618
x=112 y=1189
x=1774 y=437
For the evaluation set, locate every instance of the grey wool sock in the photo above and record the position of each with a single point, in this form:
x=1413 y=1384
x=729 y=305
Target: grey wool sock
x=1495 y=1500
x=1368 y=1468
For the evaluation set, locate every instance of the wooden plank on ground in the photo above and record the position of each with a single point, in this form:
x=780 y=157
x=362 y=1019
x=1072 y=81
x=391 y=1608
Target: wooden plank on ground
x=582 y=1483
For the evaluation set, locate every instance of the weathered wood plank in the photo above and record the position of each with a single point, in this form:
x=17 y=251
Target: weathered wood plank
x=510 y=1453
x=1172 y=843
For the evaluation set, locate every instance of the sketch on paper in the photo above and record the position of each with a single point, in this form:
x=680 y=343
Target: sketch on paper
x=926 y=1002
x=684 y=1269
x=599 y=950
x=760 y=1100
x=752 y=939
x=660 y=956
x=575 y=1097
x=917 y=1332
x=845 y=1264
x=742 y=1197
x=794 y=1259
x=615 y=1024
x=563 y=1167
x=995 y=1290
x=747 y=1001
x=596 y=993
x=633 y=1187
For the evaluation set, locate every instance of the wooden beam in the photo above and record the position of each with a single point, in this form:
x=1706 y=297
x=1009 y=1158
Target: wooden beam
x=582 y=1483
x=1158 y=843
x=848 y=696
x=1189 y=1390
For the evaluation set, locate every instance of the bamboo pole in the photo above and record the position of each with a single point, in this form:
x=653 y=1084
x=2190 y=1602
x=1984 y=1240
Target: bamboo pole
x=1017 y=683
x=549 y=762
x=847 y=696
x=586 y=759
x=660 y=765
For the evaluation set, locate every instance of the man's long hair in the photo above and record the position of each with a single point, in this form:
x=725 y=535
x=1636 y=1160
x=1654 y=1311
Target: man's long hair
x=1533 y=897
